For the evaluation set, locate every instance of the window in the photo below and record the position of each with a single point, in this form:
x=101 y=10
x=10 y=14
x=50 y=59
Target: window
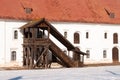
x=110 y=14
x=65 y=34
x=28 y=10
x=15 y=34
x=104 y=53
x=39 y=33
x=13 y=56
x=115 y=38
x=88 y=54
x=87 y=35
x=105 y=35
x=76 y=38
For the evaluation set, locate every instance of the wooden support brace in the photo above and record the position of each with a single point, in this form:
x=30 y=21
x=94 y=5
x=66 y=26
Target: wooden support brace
x=40 y=56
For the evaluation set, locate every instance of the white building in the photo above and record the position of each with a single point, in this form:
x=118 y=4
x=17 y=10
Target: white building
x=93 y=26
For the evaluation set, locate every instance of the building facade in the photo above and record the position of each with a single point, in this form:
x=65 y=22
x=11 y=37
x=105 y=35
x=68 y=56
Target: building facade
x=94 y=31
x=100 y=41
x=11 y=43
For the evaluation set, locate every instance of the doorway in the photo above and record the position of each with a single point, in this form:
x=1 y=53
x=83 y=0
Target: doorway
x=115 y=55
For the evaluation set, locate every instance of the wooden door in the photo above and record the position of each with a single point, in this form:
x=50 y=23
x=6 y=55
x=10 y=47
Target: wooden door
x=115 y=54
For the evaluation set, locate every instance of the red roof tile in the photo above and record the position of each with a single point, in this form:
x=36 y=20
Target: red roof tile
x=62 y=10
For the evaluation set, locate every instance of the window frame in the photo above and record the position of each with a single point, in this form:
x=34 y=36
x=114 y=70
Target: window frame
x=105 y=35
x=104 y=53
x=76 y=38
x=15 y=34
x=65 y=34
x=88 y=54
x=115 y=38
x=87 y=35
x=13 y=55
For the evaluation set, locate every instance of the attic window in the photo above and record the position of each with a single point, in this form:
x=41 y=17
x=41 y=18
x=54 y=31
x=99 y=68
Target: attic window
x=110 y=14
x=28 y=10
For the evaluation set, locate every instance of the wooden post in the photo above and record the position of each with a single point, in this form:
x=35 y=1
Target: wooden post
x=76 y=56
x=32 y=58
x=46 y=58
x=27 y=58
x=24 y=56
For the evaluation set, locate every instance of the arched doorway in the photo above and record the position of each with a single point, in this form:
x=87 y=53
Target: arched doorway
x=115 y=54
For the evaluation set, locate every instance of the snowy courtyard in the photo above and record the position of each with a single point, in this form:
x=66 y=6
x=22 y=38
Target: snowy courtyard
x=85 y=73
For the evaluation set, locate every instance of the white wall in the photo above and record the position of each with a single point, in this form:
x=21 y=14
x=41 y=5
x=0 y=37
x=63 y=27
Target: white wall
x=2 y=41
x=96 y=42
x=9 y=44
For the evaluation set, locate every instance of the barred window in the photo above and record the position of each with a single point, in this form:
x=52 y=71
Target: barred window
x=13 y=56
x=104 y=53
x=88 y=54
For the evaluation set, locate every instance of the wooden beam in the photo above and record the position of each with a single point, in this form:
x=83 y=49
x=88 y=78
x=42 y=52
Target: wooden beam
x=40 y=56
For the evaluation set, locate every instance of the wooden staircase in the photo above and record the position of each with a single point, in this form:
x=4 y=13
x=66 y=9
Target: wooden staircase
x=61 y=55
x=45 y=25
x=62 y=39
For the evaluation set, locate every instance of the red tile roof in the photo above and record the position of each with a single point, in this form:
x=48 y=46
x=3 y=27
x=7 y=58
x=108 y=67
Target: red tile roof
x=100 y=11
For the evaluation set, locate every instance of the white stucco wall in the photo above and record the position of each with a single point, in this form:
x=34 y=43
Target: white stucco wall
x=2 y=41
x=95 y=43
x=9 y=44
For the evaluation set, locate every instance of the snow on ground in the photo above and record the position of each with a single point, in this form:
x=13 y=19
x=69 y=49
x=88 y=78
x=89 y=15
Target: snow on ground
x=85 y=73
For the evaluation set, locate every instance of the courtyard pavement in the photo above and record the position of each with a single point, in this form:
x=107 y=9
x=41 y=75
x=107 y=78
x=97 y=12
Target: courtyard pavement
x=85 y=73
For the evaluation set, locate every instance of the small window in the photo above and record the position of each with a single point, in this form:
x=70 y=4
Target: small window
x=76 y=38
x=115 y=38
x=110 y=14
x=28 y=10
x=39 y=33
x=87 y=35
x=13 y=56
x=15 y=34
x=88 y=54
x=105 y=35
x=65 y=34
x=104 y=54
